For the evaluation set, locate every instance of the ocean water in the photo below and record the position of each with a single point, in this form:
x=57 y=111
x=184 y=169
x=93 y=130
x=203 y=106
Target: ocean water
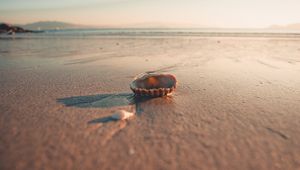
x=148 y=32
x=66 y=47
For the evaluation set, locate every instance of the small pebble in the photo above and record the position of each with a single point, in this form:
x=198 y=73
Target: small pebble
x=122 y=115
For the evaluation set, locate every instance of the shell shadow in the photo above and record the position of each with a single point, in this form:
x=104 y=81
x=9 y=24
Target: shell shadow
x=99 y=100
x=104 y=101
x=102 y=120
x=108 y=101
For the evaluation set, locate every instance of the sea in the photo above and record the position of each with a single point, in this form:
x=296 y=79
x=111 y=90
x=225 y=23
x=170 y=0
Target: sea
x=53 y=46
x=153 y=32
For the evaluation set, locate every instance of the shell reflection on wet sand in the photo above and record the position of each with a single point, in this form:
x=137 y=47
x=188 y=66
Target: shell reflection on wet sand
x=122 y=115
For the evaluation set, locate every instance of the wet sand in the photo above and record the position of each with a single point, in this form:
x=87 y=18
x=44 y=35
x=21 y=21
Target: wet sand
x=237 y=104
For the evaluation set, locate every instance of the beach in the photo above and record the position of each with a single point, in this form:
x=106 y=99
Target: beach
x=236 y=105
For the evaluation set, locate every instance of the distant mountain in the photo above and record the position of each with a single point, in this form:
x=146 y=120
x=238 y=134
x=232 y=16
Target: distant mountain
x=51 y=25
x=290 y=26
x=55 y=25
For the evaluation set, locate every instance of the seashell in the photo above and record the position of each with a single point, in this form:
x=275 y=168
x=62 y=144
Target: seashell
x=122 y=115
x=154 y=85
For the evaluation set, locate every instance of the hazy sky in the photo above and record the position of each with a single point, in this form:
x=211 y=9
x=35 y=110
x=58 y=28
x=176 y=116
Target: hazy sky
x=211 y=13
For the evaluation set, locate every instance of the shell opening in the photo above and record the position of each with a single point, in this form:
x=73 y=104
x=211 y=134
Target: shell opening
x=154 y=81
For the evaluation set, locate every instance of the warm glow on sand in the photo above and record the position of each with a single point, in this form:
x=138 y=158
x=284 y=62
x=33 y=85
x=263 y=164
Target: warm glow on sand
x=176 y=13
x=141 y=91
